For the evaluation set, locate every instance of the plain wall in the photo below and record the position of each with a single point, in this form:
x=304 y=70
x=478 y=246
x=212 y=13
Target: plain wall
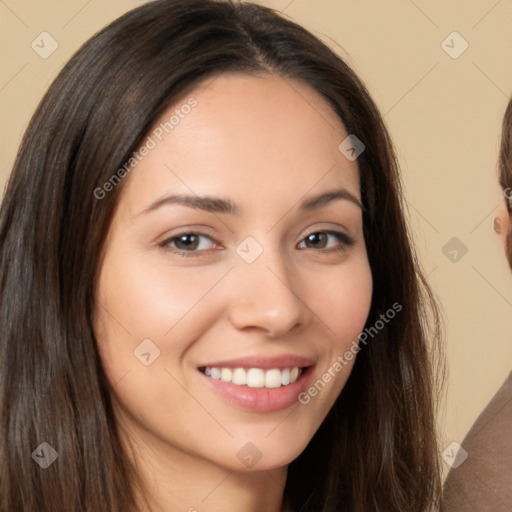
x=444 y=114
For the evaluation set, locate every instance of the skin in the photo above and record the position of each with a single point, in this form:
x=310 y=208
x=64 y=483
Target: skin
x=266 y=144
x=503 y=228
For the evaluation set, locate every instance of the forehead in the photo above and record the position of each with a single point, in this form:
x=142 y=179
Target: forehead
x=250 y=136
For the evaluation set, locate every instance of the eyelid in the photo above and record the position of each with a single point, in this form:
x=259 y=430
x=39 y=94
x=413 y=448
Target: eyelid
x=344 y=239
x=192 y=229
x=330 y=229
x=165 y=244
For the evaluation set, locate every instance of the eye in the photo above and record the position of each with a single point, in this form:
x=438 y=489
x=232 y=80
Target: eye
x=326 y=240
x=189 y=243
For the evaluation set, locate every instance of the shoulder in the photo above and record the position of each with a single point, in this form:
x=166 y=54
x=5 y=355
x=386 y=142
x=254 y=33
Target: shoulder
x=483 y=481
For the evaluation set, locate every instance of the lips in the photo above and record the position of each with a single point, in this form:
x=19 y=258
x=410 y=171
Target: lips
x=260 y=384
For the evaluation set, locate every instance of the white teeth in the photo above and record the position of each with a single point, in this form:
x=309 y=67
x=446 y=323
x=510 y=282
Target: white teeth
x=239 y=377
x=285 y=377
x=255 y=377
x=226 y=374
x=273 y=379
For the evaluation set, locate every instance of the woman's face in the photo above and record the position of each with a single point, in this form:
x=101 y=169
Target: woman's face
x=236 y=251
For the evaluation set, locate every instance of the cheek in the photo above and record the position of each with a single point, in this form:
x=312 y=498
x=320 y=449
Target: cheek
x=139 y=300
x=343 y=300
x=148 y=299
x=151 y=297
x=150 y=308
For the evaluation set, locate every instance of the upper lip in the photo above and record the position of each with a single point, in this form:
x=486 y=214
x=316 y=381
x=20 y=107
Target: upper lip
x=263 y=362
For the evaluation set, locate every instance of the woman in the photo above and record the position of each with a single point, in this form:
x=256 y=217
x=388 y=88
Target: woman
x=209 y=297
x=483 y=481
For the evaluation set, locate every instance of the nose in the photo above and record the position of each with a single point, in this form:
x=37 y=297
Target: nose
x=268 y=297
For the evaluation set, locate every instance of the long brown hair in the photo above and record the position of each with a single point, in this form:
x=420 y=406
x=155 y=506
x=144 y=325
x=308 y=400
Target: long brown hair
x=375 y=451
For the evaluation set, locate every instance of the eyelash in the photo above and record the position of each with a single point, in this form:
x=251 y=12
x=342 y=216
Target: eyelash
x=345 y=242
x=343 y=238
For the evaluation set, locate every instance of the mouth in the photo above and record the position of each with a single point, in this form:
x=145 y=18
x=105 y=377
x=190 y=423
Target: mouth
x=260 y=388
x=255 y=377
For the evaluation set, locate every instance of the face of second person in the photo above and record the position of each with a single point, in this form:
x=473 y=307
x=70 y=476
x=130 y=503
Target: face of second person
x=265 y=296
x=503 y=227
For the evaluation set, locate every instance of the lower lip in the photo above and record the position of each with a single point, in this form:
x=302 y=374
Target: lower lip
x=260 y=399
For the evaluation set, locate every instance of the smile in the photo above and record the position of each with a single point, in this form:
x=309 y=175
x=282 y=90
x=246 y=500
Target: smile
x=254 y=377
x=257 y=389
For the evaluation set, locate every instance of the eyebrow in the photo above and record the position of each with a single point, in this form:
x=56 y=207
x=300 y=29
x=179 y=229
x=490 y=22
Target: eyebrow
x=206 y=203
x=316 y=202
x=218 y=205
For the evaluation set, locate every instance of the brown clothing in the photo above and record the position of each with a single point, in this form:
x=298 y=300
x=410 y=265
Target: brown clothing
x=483 y=482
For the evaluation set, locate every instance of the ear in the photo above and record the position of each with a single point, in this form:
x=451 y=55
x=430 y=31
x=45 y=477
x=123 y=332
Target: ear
x=501 y=222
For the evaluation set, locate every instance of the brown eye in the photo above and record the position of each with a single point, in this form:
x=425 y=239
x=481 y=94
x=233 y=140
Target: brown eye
x=317 y=240
x=326 y=240
x=189 y=242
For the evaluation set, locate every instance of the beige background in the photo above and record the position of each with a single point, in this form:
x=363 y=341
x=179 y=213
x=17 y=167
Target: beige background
x=444 y=115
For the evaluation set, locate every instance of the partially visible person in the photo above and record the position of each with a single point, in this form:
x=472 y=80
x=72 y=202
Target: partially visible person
x=483 y=482
x=167 y=300
x=503 y=221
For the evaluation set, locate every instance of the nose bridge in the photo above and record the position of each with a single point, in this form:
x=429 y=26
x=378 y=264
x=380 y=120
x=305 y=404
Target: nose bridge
x=267 y=296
